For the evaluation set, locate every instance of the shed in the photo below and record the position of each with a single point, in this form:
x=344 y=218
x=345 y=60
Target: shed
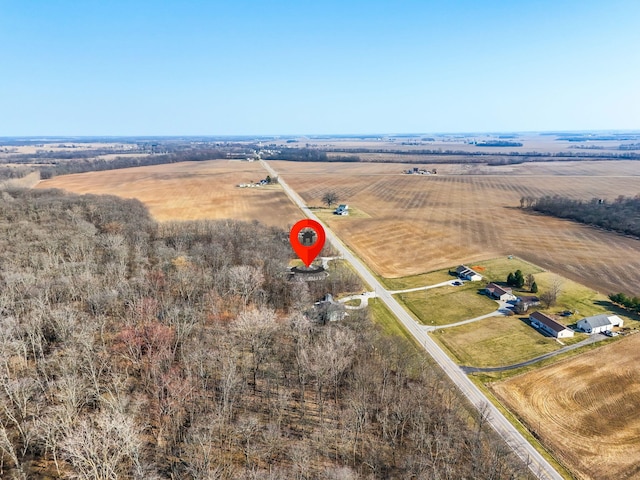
x=599 y=323
x=467 y=273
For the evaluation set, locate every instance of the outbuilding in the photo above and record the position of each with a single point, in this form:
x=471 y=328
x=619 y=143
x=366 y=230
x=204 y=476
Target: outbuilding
x=467 y=273
x=599 y=323
x=548 y=325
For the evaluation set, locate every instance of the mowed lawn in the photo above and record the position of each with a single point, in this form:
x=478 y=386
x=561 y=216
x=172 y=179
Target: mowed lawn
x=586 y=409
x=494 y=342
x=448 y=304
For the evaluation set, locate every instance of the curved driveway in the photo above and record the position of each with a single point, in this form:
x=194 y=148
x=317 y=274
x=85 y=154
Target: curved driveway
x=532 y=458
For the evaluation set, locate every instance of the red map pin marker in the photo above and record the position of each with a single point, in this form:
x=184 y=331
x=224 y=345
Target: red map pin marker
x=307 y=239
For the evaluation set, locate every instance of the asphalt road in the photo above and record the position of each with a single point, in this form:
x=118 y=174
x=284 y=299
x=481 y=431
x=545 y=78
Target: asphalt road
x=536 y=462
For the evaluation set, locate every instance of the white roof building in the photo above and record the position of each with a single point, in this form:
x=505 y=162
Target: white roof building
x=599 y=323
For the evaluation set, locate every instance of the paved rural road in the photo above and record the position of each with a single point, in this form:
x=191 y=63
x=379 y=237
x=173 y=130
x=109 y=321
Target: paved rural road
x=536 y=462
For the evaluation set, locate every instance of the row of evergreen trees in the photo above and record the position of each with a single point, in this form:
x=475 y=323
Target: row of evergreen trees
x=630 y=303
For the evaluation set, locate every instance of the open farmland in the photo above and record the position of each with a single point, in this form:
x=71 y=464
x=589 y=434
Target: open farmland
x=190 y=191
x=591 y=418
x=422 y=223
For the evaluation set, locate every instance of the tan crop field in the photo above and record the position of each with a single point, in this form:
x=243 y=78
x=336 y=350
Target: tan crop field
x=591 y=417
x=420 y=223
x=190 y=191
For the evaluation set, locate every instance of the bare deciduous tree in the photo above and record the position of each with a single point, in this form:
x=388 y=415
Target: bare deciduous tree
x=330 y=198
x=103 y=446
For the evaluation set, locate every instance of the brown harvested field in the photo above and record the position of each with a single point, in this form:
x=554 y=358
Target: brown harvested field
x=422 y=223
x=190 y=191
x=586 y=409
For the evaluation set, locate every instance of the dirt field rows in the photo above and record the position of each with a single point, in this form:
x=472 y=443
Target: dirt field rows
x=423 y=223
x=190 y=191
x=409 y=223
x=591 y=418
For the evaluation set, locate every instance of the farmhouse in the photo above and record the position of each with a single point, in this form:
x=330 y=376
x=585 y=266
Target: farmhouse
x=599 y=323
x=466 y=273
x=549 y=325
x=341 y=210
x=499 y=293
x=524 y=303
x=327 y=310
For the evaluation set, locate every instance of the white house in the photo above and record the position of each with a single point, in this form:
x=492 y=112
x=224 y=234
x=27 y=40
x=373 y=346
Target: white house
x=467 y=273
x=549 y=325
x=599 y=323
x=341 y=210
x=499 y=293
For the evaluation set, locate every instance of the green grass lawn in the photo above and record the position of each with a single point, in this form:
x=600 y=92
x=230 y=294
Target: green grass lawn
x=445 y=305
x=413 y=281
x=494 y=342
x=353 y=303
x=497 y=269
x=494 y=270
x=387 y=321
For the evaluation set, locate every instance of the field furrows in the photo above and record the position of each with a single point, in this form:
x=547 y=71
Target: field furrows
x=422 y=223
x=190 y=191
x=592 y=415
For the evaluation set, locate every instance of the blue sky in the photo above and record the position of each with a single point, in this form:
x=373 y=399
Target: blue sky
x=292 y=67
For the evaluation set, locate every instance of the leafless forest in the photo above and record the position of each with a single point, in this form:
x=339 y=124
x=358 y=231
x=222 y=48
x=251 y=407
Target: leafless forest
x=131 y=349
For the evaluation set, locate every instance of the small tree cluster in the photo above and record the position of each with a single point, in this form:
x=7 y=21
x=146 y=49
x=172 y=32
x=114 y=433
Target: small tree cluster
x=515 y=279
x=630 y=303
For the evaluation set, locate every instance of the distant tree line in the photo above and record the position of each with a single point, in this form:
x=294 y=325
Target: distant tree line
x=622 y=215
x=298 y=155
x=498 y=143
x=531 y=156
x=99 y=164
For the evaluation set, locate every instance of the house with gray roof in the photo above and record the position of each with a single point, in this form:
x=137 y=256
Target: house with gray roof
x=498 y=292
x=599 y=323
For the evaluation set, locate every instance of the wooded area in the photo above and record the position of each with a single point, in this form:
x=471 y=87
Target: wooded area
x=622 y=215
x=131 y=349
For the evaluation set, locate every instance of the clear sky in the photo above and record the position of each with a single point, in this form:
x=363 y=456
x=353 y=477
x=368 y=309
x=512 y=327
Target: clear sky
x=112 y=67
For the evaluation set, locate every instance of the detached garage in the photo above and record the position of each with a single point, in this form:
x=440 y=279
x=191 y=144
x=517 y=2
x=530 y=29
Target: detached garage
x=599 y=323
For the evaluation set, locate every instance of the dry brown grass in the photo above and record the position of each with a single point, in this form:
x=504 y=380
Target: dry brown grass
x=586 y=409
x=190 y=191
x=424 y=223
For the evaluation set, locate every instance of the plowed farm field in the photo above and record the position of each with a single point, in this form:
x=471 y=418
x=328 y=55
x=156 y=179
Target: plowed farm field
x=420 y=223
x=591 y=417
x=190 y=191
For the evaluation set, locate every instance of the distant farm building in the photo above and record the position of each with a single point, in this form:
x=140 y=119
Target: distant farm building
x=499 y=293
x=341 y=210
x=599 y=323
x=549 y=325
x=420 y=171
x=467 y=273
